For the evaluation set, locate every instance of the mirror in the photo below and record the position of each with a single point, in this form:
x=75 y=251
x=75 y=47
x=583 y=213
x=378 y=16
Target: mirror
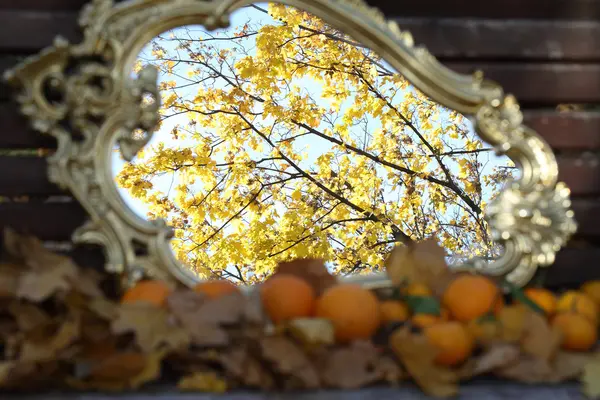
x=282 y=137
x=270 y=132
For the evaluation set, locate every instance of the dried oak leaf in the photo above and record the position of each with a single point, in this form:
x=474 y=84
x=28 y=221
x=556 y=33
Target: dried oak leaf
x=128 y=370
x=203 y=382
x=153 y=327
x=539 y=338
x=590 y=377
x=417 y=356
x=49 y=348
x=419 y=262
x=495 y=357
x=28 y=316
x=29 y=375
x=312 y=270
x=353 y=367
x=290 y=360
x=9 y=278
x=203 y=318
x=242 y=366
x=38 y=285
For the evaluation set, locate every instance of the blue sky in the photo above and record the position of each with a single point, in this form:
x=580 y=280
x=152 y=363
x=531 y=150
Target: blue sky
x=311 y=145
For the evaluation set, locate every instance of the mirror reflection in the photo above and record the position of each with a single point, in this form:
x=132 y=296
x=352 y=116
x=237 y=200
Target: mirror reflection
x=282 y=137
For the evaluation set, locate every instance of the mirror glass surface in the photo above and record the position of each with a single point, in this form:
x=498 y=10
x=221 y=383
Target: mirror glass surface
x=282 y=137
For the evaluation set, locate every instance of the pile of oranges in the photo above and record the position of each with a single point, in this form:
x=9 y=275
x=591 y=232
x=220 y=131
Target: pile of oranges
x=357 y=313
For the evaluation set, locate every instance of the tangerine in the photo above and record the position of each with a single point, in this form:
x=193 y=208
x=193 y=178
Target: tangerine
x=216 y=288
x=150 y=291
x=578 y=303
x=592 y=290
x=286 y=297
x=543 y=298
x=452 y=340
x=578 y=332
x=471 y=296
x=418 y=289
x=353 y=310
x=393 y=311
x=425 y=320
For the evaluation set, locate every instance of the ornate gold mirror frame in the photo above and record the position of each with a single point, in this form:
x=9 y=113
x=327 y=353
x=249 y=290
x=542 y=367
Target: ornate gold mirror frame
x=85 y=96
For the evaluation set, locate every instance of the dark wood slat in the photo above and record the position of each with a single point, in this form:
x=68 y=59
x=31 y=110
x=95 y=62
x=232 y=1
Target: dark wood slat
x=15 y=132
x=446 y=38
x=536 y=84
x=47 y=221
x=25 y=176
x=587 y=215
x=566 y=131
x=573 y=267
x=500 y=9
x=461 y=38
x=16 y=33
x=537 y=9
x=7 y=61
x=581 y=174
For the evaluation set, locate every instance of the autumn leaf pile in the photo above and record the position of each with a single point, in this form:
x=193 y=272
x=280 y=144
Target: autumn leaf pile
x=302 y=329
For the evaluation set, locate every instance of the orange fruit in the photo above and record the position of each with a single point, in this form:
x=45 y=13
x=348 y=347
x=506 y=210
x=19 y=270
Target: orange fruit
x=579 y=333
x=151 y=291
x=393 y=311
x=286 y=297
x=215 y=289
x=592 y=290
x=544 y=298
x=578 y=303
x=471 y=296
x=445 y=314
x=452 y=340
x=425 y=320
x=353 y=310
x=418 y=289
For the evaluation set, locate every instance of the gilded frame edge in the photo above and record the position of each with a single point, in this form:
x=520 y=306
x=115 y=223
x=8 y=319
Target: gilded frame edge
x=532 y=218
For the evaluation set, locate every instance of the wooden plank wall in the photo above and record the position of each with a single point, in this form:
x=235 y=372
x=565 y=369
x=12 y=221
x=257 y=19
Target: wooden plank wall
x=546 y=52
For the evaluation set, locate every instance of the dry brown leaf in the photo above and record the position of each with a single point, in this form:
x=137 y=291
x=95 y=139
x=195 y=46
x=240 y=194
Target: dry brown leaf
x=120 y=367
x=153 y=327
x=527 y=369
x=312 y=331
x=417 y=356
x=38 y=285
x=203 y=382
x=49 y=348
x=419 y=262
x=590 y=377
x=239 y=364
x=202 y=318
x=351 y=367
x=569 y=365
x=122 y=371
x=104 y=308
x=288 y=359
x=9 y=277
x=88 y=283
x=539 y=338
x=497 y=356
x=311 y=270
x=28 y=316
